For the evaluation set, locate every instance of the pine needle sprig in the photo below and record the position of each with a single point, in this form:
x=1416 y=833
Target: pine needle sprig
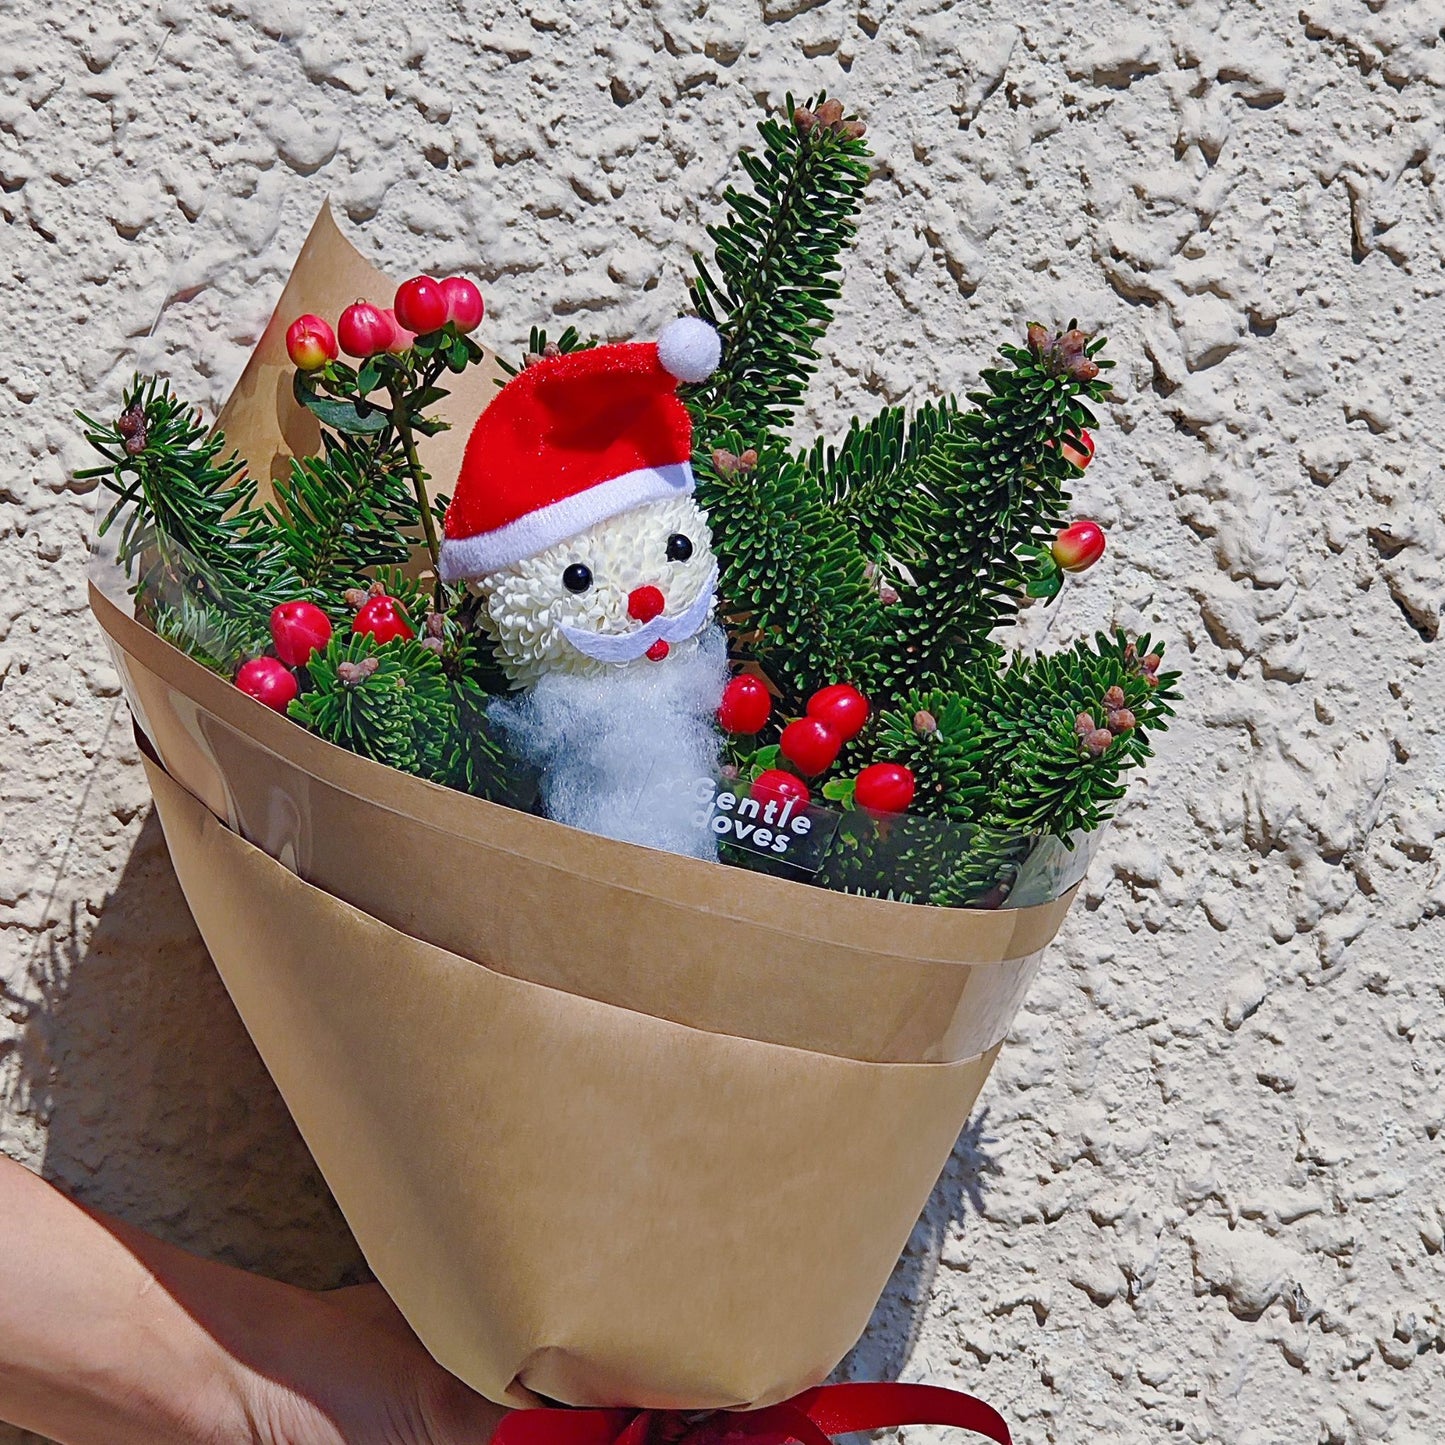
x=883 y=478
x=940 y=737
x=539 y=346
x=186 y=507
x=217 y=639
x=345 y=512
x=998 y=483
x=792 y=578
x=391 y=703
x=777 y=269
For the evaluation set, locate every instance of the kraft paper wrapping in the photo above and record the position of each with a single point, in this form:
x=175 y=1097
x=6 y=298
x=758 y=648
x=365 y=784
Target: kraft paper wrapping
x=568 y=1199
x=612 y=1126
x=712 y=947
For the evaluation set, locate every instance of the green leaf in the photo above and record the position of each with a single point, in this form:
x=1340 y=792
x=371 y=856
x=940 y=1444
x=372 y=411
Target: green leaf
x=358 y=417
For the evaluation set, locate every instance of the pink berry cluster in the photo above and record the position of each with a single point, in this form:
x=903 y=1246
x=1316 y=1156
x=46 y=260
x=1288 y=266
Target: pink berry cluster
x=420 y=307
x=811 y=744
x=300 y=628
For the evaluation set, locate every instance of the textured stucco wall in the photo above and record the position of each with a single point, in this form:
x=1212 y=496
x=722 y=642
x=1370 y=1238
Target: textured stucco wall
x=1204 y=1197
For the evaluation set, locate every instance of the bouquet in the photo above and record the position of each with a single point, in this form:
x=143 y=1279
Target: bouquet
x=613 y=820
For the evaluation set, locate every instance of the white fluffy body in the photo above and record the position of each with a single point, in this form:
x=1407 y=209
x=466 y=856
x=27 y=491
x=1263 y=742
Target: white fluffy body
x=527 y=606
x=621 y=752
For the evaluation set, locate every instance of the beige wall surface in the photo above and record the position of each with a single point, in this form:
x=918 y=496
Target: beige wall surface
x=1204 y=1196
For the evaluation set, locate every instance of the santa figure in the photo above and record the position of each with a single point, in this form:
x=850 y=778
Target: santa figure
x=574 y=518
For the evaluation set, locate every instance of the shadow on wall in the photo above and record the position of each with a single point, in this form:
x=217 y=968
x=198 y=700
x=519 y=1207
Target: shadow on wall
x=153 y=1101
x=892 y=1333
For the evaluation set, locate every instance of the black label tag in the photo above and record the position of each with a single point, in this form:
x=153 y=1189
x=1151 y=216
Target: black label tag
x=777 y=830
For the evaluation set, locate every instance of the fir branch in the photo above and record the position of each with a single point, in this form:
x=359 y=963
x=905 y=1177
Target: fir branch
x=776 y=269
x=538 y=347
x=1043 y=779
x=344 y=512
x=217 y=639
x=391 y=703
x=997 y=480
x=186 y=508
x=794 y=583
x=884 y=476
x=940 y=738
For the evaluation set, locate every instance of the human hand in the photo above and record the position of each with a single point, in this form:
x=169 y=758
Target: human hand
x=111 y=1337
x=349 y=1371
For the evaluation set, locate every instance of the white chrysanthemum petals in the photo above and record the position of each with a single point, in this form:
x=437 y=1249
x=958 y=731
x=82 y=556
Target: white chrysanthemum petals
x=527 y=605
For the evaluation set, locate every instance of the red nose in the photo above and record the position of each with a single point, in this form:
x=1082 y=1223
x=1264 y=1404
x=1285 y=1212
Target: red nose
x=645 y=603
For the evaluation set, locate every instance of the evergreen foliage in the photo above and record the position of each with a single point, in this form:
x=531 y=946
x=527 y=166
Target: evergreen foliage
x=345 y=512
x=793 y=582
x=994 y=478
x=391 y=703
x=539 y=346
x=777 y=268
x=186 y=508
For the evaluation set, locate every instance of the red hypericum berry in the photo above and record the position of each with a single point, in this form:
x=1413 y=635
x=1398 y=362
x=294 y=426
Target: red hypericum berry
x=776 y=786
x=383 y=618
x=465 y=306
x=297 y=630
x=884 y=788
x=1079 y=546
x=421 y=305
x=268 y=681
x=310 y=343
x=810 y=745
x=401 y=338
x=363 y=330
x=746 y=706
x=842 y=707
x=658 y=650
x=1082 y=454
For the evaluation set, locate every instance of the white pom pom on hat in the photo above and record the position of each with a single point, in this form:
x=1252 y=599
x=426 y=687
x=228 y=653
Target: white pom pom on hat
x=689 y=349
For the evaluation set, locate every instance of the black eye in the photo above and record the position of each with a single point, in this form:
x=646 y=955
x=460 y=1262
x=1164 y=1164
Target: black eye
x=578 y=577
x=679 y=548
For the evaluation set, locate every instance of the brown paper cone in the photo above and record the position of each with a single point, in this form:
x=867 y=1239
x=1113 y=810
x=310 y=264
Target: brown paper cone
x=613 y=1126
x=686 y=940
x=568 y=1199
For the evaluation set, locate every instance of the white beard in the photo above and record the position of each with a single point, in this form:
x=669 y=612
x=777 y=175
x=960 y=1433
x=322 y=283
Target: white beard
x=621 y=753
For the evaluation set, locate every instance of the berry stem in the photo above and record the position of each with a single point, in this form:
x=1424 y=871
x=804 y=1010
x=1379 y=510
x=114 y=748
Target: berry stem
x=418 y=481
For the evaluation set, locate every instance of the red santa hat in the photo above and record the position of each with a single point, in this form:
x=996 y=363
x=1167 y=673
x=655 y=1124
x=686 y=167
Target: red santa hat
x=571 y=441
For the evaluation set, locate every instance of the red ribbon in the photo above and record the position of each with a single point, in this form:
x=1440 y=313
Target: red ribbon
x=811 y=1418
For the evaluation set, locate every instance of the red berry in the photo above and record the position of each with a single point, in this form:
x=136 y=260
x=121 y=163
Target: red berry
x=777 y=786
x=658 y=650
x=363 y=330
x=297 y=630
x=464 y=303
x=810 y=745
x=421 y=305
x=383 y=618
x=746 y=706
x=310 y=343
x=401 y=338
x=1082 y=454
x=268 y=681
x=842 y=707
x=884 y=788
x=1079 y=546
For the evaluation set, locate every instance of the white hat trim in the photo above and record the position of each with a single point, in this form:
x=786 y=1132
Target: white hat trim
x=464 y=557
